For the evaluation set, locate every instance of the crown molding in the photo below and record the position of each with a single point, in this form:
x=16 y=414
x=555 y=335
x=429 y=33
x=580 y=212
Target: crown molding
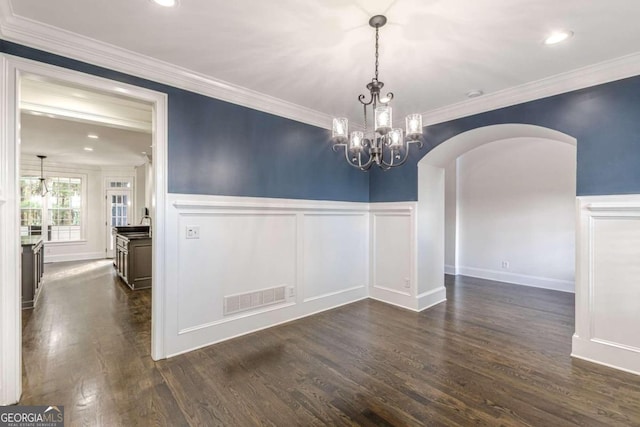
x=72 y=45
x=87 y=117
x=75 y=46
x=592 y=75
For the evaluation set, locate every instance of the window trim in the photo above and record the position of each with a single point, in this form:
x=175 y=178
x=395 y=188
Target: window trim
x=84 y=205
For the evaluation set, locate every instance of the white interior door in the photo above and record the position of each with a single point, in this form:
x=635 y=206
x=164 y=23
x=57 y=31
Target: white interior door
x=118 y=204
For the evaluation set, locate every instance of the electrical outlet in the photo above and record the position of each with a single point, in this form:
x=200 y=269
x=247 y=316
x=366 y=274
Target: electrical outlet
x=292 y=291
x=193 y=232
x=505 y=264
x=407 y=282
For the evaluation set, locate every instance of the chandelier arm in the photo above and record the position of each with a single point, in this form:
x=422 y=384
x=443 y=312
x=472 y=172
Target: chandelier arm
x=362 y=97
x=418 y=142
x=367 y=164
x=401 y=162
x=336 y=146
x=355 y=165
x=384 y=167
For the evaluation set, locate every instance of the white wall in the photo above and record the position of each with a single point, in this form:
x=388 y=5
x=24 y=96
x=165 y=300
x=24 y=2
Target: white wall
x=516 y=204
x=450 y=217
x=140 y=192
x=93 y=243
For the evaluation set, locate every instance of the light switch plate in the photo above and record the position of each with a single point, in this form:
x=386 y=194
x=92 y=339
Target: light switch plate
x=193 y=232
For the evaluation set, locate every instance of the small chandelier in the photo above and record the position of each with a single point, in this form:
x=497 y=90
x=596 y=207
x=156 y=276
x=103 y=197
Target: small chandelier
x=43 y=181
x=384 y=145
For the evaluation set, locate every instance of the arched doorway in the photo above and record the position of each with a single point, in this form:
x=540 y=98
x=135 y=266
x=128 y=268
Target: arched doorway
x=431 y=198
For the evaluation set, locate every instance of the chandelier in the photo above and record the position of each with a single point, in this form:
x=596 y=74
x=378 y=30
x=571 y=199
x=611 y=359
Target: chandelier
x=383 y=145
x=43 y=181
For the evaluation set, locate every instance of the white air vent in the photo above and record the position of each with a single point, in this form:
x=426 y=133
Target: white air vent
x=242 y=302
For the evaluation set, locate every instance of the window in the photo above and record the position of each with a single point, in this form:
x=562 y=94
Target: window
x=60 y=209
x=30 y=206
x=64 y=202
x=119 y=184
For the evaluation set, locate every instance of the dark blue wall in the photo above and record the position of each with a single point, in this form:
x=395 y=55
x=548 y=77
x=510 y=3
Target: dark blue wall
x=220 y=148
x=604 y=119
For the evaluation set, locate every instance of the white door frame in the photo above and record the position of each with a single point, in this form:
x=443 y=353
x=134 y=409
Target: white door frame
x=11 y=70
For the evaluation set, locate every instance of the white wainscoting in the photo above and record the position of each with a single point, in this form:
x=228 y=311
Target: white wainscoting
x=608 y=281
x=319 y=250
x=393 y=254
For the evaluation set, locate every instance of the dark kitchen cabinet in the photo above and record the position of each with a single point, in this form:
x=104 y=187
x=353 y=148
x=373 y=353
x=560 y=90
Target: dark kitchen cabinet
x=32 y=269
x=132 y=259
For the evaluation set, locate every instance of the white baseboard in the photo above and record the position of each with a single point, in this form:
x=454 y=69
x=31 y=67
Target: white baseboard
x=393 y=297
x=431 y=298
x=83 y=256
x=518 y=279
x=267 y=326
x=606 y=354
x=451 y=269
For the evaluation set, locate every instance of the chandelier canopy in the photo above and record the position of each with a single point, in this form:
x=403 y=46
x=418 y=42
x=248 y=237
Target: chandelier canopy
x=383 y=145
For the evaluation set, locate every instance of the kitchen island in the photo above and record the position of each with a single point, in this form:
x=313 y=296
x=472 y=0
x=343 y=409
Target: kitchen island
x=133 y=255
x=32 y=269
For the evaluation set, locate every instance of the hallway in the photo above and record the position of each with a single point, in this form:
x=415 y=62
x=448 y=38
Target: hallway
x=492 y=354
x=86 y=345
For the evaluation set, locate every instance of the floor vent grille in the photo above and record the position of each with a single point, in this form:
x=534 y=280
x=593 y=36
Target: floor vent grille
x=242 y=302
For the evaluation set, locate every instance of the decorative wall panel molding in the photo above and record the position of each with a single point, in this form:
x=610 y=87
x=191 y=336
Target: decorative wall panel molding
x=393 y=253
x=315 y=251
x=607 y=286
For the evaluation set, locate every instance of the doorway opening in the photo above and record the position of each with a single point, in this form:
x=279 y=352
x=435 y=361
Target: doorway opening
x=432 y=193
x=91 y=131
x=510 y=213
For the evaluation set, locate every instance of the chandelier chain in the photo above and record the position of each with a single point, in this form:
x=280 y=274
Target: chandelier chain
x=377 y=37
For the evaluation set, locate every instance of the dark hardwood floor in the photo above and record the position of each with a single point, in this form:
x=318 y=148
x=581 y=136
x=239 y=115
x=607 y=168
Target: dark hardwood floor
x=493 y=354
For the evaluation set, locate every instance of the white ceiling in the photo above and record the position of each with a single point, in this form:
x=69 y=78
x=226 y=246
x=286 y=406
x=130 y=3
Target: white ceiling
x=319 y=53
x=63 y=141
x=57 y=117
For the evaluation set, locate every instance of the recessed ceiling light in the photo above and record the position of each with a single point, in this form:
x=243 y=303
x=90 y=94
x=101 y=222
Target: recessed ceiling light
x=475 y=93
x=144 y=152
x=92 y=136
x=78 y=95
x=166 y=3
x=36 y=113
x=88 y=149
x=121 y=90
x=51 y=116
x=558 y=36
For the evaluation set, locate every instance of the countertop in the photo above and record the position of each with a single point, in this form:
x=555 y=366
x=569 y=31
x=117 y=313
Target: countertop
x=30 y=240
x=135 y=236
